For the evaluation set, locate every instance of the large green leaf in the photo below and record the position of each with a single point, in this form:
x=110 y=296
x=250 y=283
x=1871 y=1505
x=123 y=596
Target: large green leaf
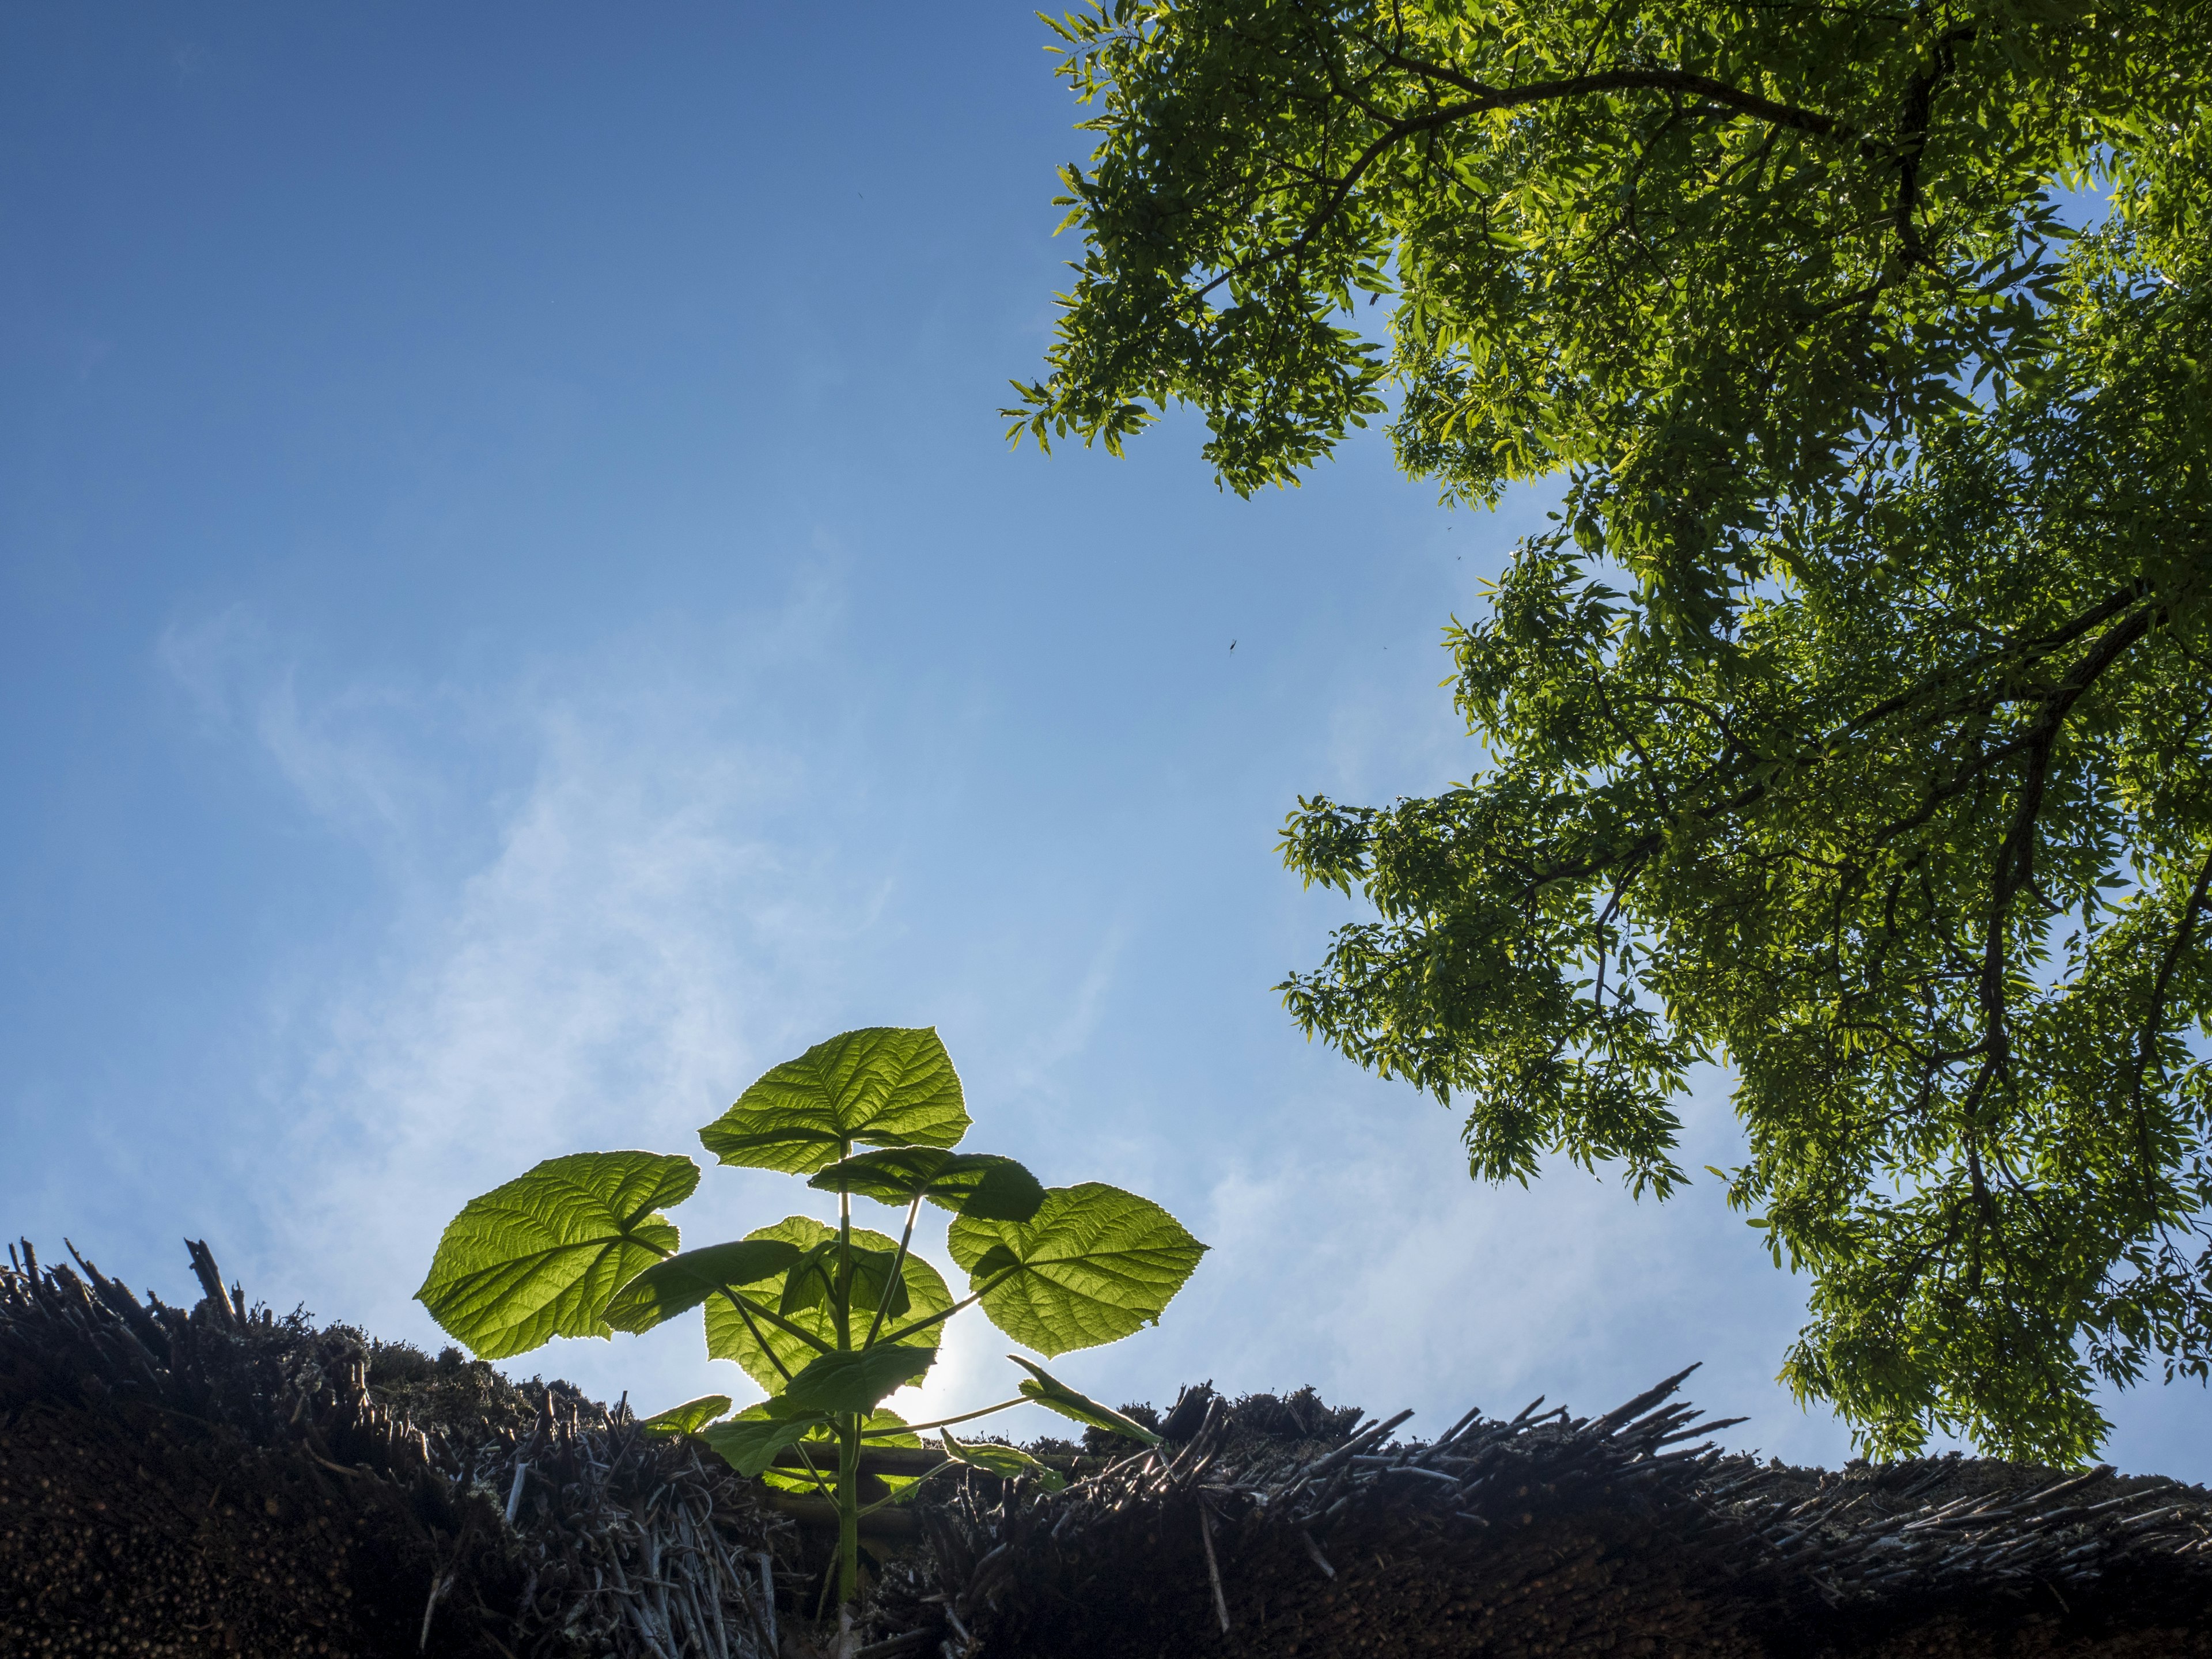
x=750 y=1441
x=683 y=1282
x=860 y=1380
x=922 y=1288
x=882 y=1086
x=1051 y=1392
x=1093 y=1264
x=972 y=1183
x=541 y=1256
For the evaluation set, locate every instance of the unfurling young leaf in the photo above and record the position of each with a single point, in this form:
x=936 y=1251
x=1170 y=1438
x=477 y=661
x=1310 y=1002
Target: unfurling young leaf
x=1006 y=1461
x=980 y=1184
x=882 y=1086
x=1093 y=1265
x=689 y=1418
x=1050 y=1392
x=542 y=1256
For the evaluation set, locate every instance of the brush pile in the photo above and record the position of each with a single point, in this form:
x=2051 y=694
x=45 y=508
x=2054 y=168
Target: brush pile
x=226 y=1481
x=1549 y=1534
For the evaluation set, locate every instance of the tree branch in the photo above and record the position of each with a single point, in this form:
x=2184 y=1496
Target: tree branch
x=2147 y=1039
x=1487 y=100
x=2015 y=861
x=1484 y=98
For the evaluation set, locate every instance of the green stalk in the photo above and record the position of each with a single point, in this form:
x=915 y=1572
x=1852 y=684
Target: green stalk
x=968 y=1301
x=848 y=1428
x=898 y=1266
x=843 y=1300
x=848 y=1508
x=813 y=1473
x=947 y=1422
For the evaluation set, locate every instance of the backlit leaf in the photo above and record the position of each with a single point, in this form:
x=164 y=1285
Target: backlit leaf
x=881 y=1087
x=542 y=1256
x=729 y=1338
x=1093 y=1264
x=750 y=1441
x=980 y=1184
x=683 y=1282
x=838 y=1383
x=689 y=1418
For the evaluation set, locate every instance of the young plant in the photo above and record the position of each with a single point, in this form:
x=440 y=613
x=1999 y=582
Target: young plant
x=829 y=1320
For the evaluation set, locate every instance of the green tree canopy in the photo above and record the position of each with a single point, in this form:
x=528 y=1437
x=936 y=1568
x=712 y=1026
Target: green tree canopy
x=1853 y=724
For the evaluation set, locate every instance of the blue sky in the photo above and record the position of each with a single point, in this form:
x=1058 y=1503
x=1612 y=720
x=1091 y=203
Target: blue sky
x=516 y=614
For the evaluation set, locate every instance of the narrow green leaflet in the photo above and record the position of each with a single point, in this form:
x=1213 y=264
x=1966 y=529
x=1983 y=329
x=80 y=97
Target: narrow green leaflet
x=881 y=1087
x=1093 y=1264
x=1006 y=1461
x=1050 y=1392
x=857 y=1381
x=749 y=1442
x=728 y=1336
x=541 y=1256
x=689 y=1418
x=980 y=1184
x=683 y=1282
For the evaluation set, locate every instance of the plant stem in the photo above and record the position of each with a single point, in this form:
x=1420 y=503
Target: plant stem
x=848 y=1508
x=898 y=1261
x=849 y=1427
x=746 y=1314
x=946 y=1422
x=843 y=1304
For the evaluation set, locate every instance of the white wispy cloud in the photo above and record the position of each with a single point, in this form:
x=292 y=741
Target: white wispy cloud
x=691 y=863
x=676 y=896
x=647 y=924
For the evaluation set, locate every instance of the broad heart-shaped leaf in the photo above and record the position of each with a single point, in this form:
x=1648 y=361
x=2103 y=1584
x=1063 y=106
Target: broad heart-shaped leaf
x=728 y=1338
x=857 y=1381
x=542 y=1256
x=1006 y=1461
x=683 y=1282
x=750 y=1441
x=882 y=1086
x=689 y=1418
x=980 y=1184
x=1093 y=1264
x=1049 y=1391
